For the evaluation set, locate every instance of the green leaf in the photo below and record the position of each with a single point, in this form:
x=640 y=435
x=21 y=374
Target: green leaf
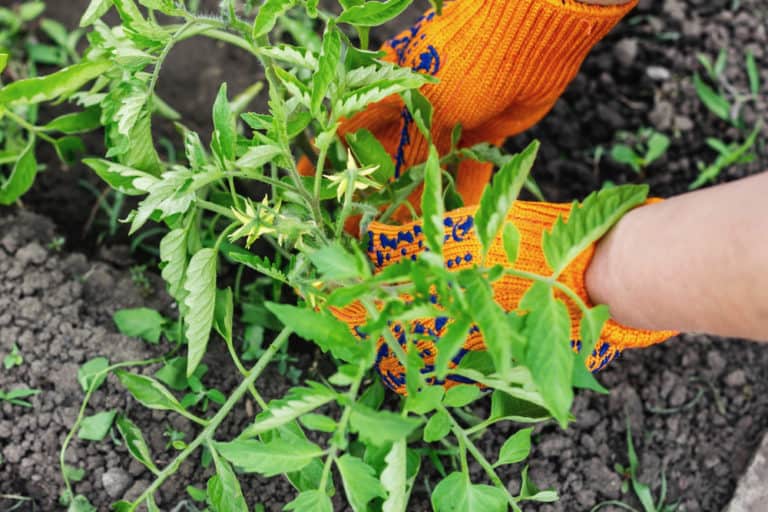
x=642 y=491
x=658 y=143
x=626 y=155
x=53 y=86
x=96 y=427
x=335 y=263
x=144 y=323
x=81 y=504
x=119 y=177
x=69 y=148
x=529 y=491
x=459 y=396
x=438 y=426
x=327 y=74
x=77 y=122
x=269 y=11
x=174 y=374
x=450 y=344
x=326 y=332
x=369 y=152
x=271 y=458
x=360 y=482
x=498 y=336
x=73 y=473
x=591 y=326
x=511 y=240
x=394 y=478
x=380 y=427
x=498 y=199
x=318 y=422
x=86 y=374
x=455 y=493
x=224 y=489
x=588 y=222
x=3 y=61
x=200 y=302
x=711 y=99
x=297 y=402
x=753 y=74
x=311 y=501
x=134 y=441
x=96 y=9
x=222 y=315
x=149 y=392
x=224 y=133
x=516 y=448
x=173 y=254
x=258 y=156
x=432 y=203
x=22 y=177
x=549 y=356
x=372 y=14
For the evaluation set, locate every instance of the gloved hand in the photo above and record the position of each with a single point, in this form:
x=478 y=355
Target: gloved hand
x=502 y=64
x=388 y=245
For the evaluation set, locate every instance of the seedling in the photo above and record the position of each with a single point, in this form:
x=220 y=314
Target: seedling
x=640 y=150
x=16 y=396
x=14 y=358
x=641 y=490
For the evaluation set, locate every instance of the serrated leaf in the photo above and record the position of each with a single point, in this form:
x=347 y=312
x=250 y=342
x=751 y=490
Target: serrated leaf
x=149 y=392
x=394 y=478
x=498 y=198
x=96 y=426
x=450 y=344
x=369 y=152
x=432 y=203
x=455 y=493
x=548 y=355
x=56 y=85
x=144 y=323
x=372 y=14
x=224 y=489
x=335 y=263
x=258 y=156
x=311 y=501
x=200 y=283
x=516 y=448
x=297 y=402
x=96 y=9
x=588 y=222
x=119 y=177
x=326 y=74
x=360 y=482
x=271 y=458
x=326 y=332
x=173 y=254
x=438 y=426
x=134 y=441
x=511 y=240
x=269 y=11
x=318 y=422
x=461 y=395
x=222 y=315
x=380 y=427
x=224 y=132
x=76 y=122
x=22 y=176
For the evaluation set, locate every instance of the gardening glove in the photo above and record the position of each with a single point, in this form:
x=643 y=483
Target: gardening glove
x=501 y=65
x=388 y=245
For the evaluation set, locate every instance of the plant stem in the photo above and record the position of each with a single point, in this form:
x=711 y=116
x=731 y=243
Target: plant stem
x=464 y=440
x=208 y=432
x=36 y=130
x=213 y=207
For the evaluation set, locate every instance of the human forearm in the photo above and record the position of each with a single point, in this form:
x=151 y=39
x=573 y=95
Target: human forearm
x=697 y=262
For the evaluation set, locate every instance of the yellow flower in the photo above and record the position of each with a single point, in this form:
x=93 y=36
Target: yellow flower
x=360 y=177
x=256 y=222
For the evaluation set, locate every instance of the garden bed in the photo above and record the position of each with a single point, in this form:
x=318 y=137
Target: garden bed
x=697 y=405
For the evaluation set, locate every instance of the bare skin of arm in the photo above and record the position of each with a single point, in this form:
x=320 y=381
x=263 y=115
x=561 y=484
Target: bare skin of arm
x=697 y=262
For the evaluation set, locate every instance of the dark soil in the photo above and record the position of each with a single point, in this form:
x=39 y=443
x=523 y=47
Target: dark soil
x=698 y=406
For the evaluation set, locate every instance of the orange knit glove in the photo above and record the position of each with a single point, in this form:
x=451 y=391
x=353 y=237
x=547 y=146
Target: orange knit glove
x=502 y=65
x=387 y=245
